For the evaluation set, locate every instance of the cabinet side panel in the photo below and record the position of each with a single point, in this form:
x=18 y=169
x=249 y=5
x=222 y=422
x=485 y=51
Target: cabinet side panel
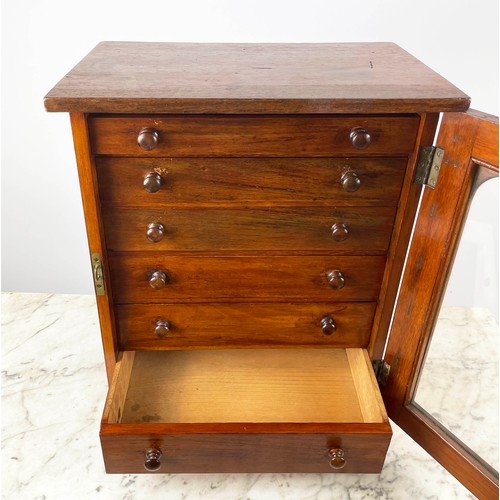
x=95 y=234
x=410 y=195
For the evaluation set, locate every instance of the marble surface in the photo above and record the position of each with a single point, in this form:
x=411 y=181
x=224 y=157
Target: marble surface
x=467 y=403
x=53 y=392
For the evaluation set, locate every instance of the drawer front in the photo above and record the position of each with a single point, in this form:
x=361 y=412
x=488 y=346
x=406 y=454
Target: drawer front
x=174 y=326
x=243 y=135
x=336 y=230
x=244 y=410
x=364 y=453
x=272 y=277
x=342 y=181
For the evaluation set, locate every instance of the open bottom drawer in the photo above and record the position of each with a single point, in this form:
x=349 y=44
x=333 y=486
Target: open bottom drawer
x=247 y=410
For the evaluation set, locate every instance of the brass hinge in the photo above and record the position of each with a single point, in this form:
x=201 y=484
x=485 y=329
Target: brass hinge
x=428 y=166
x=98 y=274
x=381 y=369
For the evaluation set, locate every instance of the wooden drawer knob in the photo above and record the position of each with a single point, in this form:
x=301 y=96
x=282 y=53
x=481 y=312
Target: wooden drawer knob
x=350 y=182
x=158 y=279
x=335 y=279
x=155 y=232
x=337 y=458
x=340 y=232
x=153 y=182
x=162 y=328
x=328 y=325
x=148 y=138
x=152 y=461
x=360 y=138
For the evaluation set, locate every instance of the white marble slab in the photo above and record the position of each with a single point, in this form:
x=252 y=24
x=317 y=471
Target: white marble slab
x=464 y=344
x=53 y=383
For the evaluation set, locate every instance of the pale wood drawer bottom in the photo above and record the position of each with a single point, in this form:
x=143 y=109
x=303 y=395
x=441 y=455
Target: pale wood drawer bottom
x=245 y=410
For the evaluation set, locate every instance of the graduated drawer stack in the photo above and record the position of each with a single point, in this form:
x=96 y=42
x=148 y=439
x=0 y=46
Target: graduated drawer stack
x=248 y=231
x=254 y=232
x=248 y=211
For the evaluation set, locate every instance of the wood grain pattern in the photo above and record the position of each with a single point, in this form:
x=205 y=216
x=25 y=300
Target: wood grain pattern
x=119 y=386
x=95 y=234
x=247 y=385
x=249 y=180
x=252 y=141
x=244 y=385
x=201 y=229
x=425 y=260
x=134 y=77
x=370 y=401
x=233 y=325
x=440 y=222
x=280 y=278
x=243 y=135
x=230 y=453
x=403 y=225
x=156 y=428
x=457 y=458
x=486 y=144
x=279 y=378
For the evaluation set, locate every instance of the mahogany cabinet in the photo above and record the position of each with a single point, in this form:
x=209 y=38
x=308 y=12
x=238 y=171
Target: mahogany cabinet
x=249 y=210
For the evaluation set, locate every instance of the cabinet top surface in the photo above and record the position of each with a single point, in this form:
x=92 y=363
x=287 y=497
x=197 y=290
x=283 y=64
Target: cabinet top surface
x=144 y=77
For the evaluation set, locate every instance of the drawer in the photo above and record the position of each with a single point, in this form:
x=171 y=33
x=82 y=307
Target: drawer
x=182 y=326
x=246 y=410
x=281 y=278
x=243 y=135
x=336 y=230
x=342 y=181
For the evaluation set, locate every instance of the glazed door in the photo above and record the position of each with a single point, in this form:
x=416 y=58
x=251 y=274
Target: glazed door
x=442 y=387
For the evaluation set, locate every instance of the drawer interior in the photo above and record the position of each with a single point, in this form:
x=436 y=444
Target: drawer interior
x=245 y=385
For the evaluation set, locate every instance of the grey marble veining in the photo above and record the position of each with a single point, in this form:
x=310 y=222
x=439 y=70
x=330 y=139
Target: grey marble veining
x=53 y=382
x=464 y=344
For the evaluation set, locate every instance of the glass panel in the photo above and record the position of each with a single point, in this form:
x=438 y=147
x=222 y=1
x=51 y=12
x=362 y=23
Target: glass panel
x=459 y=380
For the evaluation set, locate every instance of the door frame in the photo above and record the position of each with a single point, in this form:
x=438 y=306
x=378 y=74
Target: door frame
x=470 y=143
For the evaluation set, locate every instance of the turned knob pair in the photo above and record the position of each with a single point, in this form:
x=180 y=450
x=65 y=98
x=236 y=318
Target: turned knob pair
x=163 y=327
x=350 y=182
x=159 y=279
x=153 y=456
x=149 y=138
